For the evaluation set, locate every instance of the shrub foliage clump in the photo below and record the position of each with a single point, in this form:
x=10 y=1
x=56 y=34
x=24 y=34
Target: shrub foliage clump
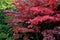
x=34 y=19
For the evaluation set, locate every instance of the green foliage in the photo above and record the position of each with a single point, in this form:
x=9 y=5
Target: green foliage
x=1 y=16
x=5 y=32
x=13 y=8
x=58 y=3
x=3 y=35
x=8 y=17
x=9 y=38
x=5 y=4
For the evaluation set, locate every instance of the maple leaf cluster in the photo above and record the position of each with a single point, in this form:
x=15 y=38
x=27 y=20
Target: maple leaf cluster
x=34 y=17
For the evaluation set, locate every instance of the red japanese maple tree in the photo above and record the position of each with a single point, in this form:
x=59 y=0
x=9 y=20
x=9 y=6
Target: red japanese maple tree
x=35 y=19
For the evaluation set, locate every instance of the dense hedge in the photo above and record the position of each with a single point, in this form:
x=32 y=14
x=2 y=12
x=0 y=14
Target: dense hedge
x=29 y=20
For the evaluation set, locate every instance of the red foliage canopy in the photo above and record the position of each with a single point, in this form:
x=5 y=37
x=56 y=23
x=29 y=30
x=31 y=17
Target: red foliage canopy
x=33 y=13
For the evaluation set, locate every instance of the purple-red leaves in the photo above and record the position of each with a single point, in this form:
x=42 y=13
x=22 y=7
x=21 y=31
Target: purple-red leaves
x=41 y=11
x=30 y=16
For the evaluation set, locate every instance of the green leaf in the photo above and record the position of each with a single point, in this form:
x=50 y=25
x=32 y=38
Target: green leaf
x=3 y=35
x=8 y=17
x=9 y=38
